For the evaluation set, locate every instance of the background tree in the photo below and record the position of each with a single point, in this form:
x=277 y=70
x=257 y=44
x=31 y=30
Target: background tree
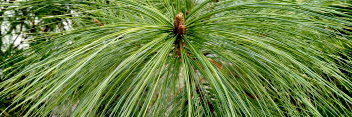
x=188 y=58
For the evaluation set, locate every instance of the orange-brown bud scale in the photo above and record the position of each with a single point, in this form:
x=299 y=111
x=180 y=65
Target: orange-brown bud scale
x=97 y=22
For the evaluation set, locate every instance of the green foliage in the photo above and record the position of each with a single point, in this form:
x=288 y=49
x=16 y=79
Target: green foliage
x=21 y=20
x=22 y=23
x=244 y=58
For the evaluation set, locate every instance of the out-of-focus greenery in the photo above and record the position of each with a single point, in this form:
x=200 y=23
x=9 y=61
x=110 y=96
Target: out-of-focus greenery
x=237 y=58
x=23 y=24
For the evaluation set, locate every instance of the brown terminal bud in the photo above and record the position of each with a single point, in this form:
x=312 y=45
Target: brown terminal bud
x=179 y=24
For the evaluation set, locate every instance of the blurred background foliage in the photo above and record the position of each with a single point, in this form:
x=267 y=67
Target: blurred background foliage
x=19 y=25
